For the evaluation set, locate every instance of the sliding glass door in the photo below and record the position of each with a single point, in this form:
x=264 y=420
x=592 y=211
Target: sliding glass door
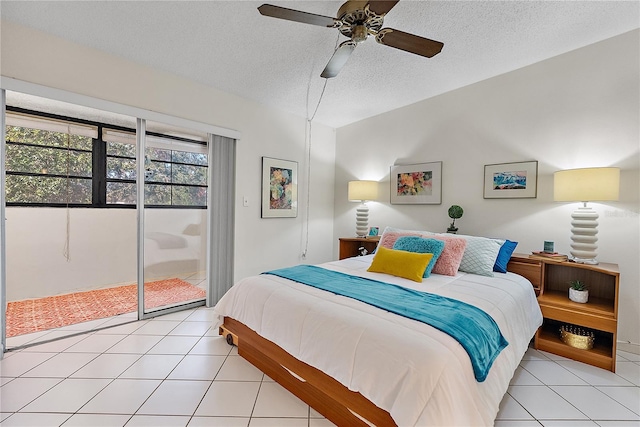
x=135 y=206
x=175 y=174
x=71 y=219
x=70 y=256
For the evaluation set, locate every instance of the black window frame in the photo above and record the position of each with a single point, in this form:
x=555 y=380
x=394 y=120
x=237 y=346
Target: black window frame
x=98 y=176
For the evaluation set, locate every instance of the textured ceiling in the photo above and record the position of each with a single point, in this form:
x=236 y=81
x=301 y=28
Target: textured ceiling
x=230 y=46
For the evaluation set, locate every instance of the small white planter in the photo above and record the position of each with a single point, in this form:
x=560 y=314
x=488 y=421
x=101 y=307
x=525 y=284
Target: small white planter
x=578 y=296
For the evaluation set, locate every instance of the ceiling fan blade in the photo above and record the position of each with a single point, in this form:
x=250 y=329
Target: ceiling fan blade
x=409 y=42
x=339 y=58
x=381 y=7
x=297 y=16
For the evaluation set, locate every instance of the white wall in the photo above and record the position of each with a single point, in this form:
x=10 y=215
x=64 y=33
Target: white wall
x=579 y=109
x=260 y=243
x=102 y=249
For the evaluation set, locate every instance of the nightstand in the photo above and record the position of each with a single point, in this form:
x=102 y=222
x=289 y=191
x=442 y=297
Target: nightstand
x=599 y=314
x=350 y=246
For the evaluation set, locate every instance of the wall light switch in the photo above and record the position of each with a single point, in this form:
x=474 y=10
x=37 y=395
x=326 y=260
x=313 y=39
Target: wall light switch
x=245 y=201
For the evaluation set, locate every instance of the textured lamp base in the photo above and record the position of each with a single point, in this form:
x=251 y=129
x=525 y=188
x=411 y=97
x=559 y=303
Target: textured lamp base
x=585 y=228
x=591 y=261
x=362 y=220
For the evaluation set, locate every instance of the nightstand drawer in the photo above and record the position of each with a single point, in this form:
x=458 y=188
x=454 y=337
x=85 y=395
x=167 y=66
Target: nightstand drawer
x=527 y=268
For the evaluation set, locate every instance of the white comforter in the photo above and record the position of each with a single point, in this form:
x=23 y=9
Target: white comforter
x=420 y=375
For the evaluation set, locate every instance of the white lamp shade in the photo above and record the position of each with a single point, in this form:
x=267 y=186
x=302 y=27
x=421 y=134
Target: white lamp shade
x=362 y=190
x=586 y=185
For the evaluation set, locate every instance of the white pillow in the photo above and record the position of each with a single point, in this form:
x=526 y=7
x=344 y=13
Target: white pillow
x=479 y=255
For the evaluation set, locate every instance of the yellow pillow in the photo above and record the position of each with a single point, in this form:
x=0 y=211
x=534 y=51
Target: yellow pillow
x=409 y=265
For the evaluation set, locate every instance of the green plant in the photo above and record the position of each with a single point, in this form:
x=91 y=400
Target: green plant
x=578 y=285
x=455 y=212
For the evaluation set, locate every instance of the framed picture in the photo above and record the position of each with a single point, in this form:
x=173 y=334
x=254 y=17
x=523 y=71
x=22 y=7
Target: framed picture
x=416 y=184
x=511 y=180
x=373 y=231
x=279 y=188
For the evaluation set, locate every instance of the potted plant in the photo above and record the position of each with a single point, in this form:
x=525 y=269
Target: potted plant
x=455 y=212
x=578 y=291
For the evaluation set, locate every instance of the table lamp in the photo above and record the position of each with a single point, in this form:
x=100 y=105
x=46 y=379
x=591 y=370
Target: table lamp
x=361 y=191
x=585 y=185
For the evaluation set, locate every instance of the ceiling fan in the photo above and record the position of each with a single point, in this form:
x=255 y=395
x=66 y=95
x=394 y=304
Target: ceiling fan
x=357 y=19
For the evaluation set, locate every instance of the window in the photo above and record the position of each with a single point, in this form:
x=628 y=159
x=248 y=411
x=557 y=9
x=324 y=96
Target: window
x=185 y=171
x=173 y=175
x=48 y=162
x=52 y=162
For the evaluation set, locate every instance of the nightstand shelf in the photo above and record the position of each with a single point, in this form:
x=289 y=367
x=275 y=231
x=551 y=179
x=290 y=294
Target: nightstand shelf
x=599 y=307
x=548 y=339
x=599 y=314
x=350 y=246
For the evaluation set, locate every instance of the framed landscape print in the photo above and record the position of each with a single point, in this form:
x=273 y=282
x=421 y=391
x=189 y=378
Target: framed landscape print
x=511 y=180
x=279 y=188
x=416 y=184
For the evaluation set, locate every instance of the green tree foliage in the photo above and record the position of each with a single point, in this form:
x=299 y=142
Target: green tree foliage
x=45 y=153
x=51 y=167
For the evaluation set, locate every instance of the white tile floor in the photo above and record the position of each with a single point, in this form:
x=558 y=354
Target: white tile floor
x=175 y=370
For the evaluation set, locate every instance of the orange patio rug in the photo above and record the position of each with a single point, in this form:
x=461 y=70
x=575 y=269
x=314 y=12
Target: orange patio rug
x=34 y=315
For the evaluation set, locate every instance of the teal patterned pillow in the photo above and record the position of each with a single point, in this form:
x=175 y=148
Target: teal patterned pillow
x=421 y=245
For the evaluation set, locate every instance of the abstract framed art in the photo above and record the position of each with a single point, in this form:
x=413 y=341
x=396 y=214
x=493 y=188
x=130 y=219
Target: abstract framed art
x=416 y=184
x=279 y=188
x=511 y=180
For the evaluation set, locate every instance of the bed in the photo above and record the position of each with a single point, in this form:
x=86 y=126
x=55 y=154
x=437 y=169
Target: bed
x=358 y=364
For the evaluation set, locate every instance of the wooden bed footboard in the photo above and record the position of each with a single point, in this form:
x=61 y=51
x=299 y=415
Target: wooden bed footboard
x=340 y=405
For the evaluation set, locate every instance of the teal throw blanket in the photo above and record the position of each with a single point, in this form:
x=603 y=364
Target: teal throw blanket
x=474 y=329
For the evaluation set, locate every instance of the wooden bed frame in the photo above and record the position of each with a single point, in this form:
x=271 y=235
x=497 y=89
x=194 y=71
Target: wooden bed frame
x=330 y=398
x=338 y=404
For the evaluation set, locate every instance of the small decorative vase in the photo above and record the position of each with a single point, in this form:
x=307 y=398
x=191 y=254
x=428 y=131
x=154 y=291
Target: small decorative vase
x=453 y=230
x=578 y=296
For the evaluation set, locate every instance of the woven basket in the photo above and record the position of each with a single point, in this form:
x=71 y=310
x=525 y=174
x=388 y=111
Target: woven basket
x=577 y=337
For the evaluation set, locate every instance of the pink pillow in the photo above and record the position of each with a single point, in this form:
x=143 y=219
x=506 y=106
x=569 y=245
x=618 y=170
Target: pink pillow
x=451 y=256
x=389 y=238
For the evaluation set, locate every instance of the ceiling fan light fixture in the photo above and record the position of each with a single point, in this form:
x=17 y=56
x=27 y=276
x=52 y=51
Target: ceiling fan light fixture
x=359 y=33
